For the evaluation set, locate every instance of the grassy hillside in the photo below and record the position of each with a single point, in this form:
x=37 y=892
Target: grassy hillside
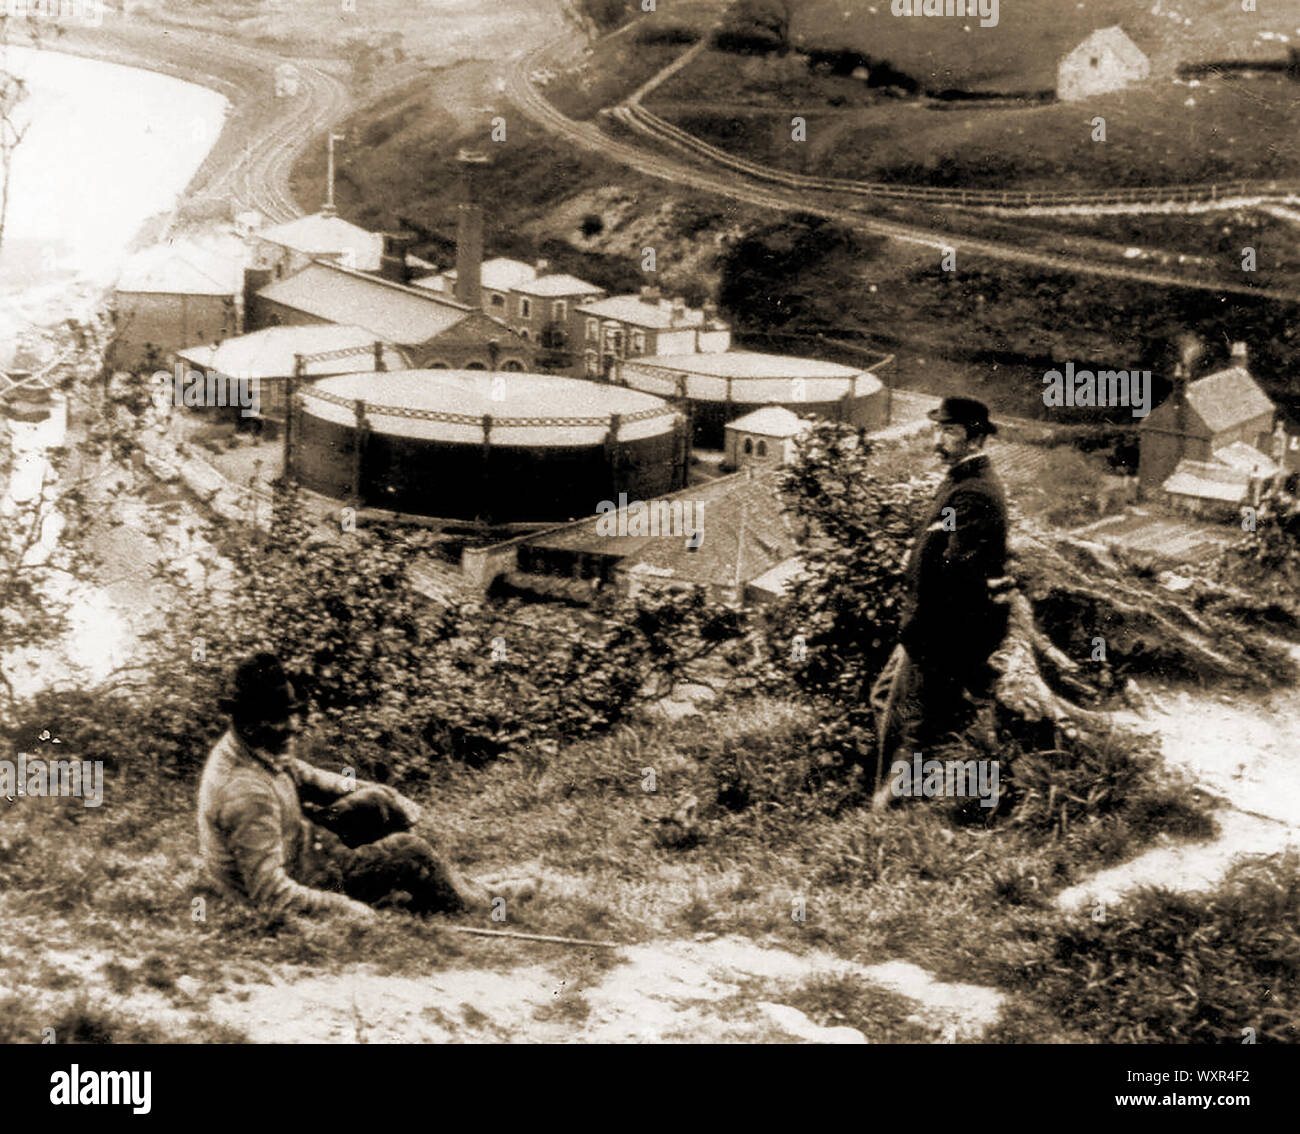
x=109 y=899
x=1021 y=51
x=1161 y=133
x=538 y=195
x=435 y=30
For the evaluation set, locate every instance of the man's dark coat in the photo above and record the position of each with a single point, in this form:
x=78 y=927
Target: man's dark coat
x=950 y=623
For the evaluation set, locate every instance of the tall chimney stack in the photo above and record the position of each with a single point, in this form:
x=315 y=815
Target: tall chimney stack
x=1180 y=410
x=469 y=233
x=1240 y=355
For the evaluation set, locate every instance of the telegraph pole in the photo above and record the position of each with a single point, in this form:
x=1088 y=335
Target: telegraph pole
x=329 y=174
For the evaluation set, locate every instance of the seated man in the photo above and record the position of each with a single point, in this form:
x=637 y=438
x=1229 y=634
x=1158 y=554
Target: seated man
x=258 y=846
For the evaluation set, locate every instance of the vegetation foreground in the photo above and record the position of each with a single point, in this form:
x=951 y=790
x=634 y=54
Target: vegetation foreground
x=535 y=739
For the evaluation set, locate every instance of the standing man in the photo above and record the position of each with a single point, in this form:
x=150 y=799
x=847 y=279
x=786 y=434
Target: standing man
x=951 y=622
x=259 y=847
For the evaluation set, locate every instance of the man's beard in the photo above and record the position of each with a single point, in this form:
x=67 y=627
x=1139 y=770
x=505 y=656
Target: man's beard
x=272 y=740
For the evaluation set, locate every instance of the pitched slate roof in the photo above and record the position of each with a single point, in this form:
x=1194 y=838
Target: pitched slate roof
x=1247 y=458
x=390 y=311
x=501 y=273
x=1208 y=480
x=744 y=532
x=1117 y=40
x=719 y=505
x=642 y=313
x=557 y=286
x=1227 y=398
x=326 y=234
x=181 y=269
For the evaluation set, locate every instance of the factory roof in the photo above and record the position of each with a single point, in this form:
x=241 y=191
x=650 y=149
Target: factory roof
x=390 y=311
x=181 y=269
x=270 y=353
x=327 y=234
x=641 y=312
x=499 y=273
x=558 y=286
x=526 y=409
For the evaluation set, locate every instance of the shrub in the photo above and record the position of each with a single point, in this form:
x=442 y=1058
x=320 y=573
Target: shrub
x=1183 y=968
x=666 y=34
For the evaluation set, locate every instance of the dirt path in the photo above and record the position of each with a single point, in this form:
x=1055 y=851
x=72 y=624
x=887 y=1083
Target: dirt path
x=709 y=989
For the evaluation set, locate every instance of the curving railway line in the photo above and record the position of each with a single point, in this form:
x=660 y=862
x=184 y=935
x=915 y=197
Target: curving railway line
x=745 y=187
x=251 y=162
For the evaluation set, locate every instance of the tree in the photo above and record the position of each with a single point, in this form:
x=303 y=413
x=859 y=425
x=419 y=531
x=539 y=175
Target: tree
x=1082 y=620
x=13 y=92
x=756 y=26
x=49 y=521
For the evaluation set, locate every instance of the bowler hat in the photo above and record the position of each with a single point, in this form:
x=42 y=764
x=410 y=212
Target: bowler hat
x=259 y=689
x=970 y=412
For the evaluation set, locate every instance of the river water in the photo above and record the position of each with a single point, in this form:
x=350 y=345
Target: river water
x=108 y=147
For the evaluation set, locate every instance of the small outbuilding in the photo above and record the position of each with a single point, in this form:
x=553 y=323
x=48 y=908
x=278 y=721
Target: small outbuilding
x=763 y=438
x=1108 y=60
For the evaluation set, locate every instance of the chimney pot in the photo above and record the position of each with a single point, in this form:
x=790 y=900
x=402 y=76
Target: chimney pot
x=542 y=266
x=1239 y=354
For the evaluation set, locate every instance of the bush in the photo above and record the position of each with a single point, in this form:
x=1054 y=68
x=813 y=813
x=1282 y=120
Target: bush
x=391 y=681
x=606 y=14
x=666 y=34
x=1183 y=968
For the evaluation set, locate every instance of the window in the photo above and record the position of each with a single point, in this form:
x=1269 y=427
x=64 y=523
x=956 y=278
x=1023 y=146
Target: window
x=436 y=366
x=560 y=311
x=525 y=308
x=762 y=449
x=523 y=334
x=498 y=300
x=512 y=365
x=475 y=366
x=638 y=342
x=593 y=367
x=749 y=446
x=1094 y=61
x=614 y=342
x=593 y=329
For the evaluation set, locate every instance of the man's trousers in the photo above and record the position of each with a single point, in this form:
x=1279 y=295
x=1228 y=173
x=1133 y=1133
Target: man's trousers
x=393 y=869
x=914 y=706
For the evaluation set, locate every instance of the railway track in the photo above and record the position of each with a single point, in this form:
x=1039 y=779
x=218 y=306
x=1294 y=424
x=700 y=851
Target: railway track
x=742 y=186
x=251 y=162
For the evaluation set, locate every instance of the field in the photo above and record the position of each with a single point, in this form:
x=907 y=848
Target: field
x=436 y=31
x=1160 y=133
x=1020 y=52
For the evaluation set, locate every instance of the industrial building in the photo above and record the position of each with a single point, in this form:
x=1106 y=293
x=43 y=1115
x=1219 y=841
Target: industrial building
x=605 y=333
x=433 y=330
x=275 y=356
x=717 y=388
x=1224 y=420
x=465 y=445
x=171 y=297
